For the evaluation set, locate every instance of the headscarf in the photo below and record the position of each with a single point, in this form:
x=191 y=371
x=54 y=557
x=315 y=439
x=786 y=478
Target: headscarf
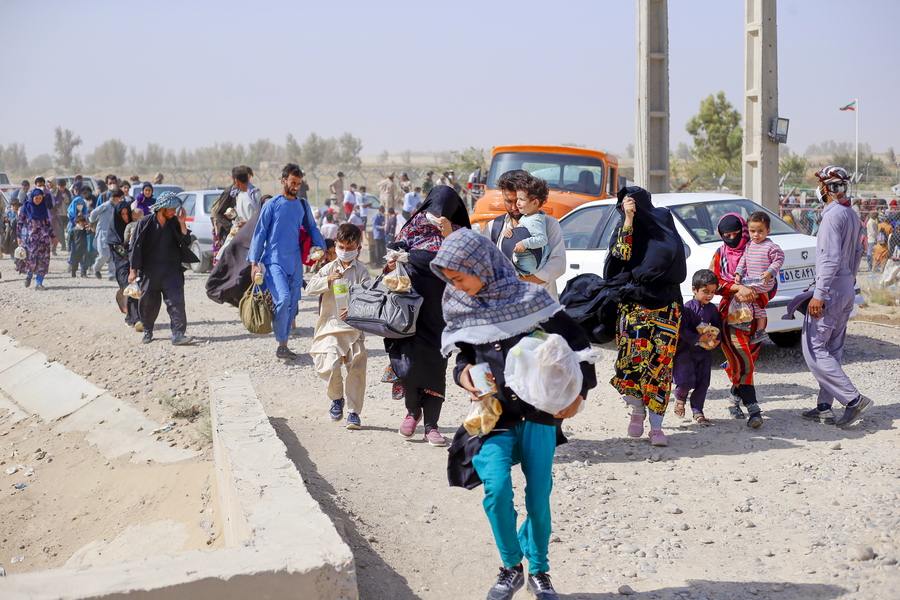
x=118 y=224
x=732 y=251
x=74 y=211
x=420 y=234
x=33 y=211
x=657 y=265
x=145 y=202
x=504 y=306
x=166 y=200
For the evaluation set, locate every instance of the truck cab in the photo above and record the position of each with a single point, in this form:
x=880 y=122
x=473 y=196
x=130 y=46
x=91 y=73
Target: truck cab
x=574 y=176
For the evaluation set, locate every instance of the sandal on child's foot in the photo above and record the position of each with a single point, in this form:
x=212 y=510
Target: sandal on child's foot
x=701 y=420
x=679 y=409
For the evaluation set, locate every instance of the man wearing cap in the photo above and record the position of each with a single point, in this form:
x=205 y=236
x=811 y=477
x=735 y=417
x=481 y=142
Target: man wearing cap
x=427 y=184
x=159 y=246
x=839 y=251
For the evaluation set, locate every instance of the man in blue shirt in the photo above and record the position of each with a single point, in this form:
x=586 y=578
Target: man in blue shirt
x=276 y=248
x=411 y=202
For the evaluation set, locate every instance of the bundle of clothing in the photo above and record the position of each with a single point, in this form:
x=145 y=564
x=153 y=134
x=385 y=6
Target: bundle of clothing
x=651 y=277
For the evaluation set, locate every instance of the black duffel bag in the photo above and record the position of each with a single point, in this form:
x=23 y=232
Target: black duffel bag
x=376 y=309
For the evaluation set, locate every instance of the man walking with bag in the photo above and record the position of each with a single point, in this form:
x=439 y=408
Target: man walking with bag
x=276 y=252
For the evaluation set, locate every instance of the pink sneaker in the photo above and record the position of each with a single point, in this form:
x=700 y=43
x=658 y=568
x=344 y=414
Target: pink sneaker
x=657 y=438
x=434 y=438
x=408 y=426
x=636 y=427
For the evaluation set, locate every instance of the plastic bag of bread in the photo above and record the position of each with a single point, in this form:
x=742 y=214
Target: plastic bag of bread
x=483 y=415
x=398 y=279
x=707 y=328
x=132 y=290
x=739 y=312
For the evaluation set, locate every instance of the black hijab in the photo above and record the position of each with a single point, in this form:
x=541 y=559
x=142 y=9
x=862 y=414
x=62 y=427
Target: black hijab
x=443 y=201
x=118 y=224
x=657 y=265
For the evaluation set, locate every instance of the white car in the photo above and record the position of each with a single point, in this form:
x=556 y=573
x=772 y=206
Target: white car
x=588 y=229
x=197 y=204
x=896 y=190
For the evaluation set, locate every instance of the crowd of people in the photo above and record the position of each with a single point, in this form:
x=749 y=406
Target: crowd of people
x=482 y=294
x=880 y=219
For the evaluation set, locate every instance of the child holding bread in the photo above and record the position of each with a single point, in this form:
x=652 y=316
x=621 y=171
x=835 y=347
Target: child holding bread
x=699 y=334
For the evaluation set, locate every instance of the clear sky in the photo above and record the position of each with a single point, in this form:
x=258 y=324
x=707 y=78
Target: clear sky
x=421 y=75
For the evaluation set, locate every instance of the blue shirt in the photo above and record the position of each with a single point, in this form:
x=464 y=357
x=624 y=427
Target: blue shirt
x=276 y=239
x=411 y=202
x=378 y=226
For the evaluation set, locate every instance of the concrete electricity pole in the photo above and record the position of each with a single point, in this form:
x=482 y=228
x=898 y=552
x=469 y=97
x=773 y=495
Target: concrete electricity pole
x=651 y=158
x=760 y=161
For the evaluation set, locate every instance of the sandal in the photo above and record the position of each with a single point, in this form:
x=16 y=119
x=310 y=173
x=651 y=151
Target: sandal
x=679 y=409
x=701 y=420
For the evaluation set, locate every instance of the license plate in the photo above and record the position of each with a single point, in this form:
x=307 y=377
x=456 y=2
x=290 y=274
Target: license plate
x=804 y=273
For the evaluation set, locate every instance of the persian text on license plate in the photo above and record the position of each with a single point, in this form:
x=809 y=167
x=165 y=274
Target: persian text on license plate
x=802 y=274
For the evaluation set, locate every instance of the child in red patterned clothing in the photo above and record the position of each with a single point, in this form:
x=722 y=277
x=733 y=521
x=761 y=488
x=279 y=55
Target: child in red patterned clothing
x=759 y=268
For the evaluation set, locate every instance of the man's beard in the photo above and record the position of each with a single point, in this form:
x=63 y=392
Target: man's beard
x=287 y=192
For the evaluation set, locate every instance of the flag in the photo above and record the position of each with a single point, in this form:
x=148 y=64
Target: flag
x=851 y=106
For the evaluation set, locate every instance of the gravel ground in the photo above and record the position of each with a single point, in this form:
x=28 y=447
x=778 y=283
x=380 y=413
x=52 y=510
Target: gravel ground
x=792 y=510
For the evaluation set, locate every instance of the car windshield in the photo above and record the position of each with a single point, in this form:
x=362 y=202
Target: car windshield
x=4 y=180
x=701 y=218
x=562 y=172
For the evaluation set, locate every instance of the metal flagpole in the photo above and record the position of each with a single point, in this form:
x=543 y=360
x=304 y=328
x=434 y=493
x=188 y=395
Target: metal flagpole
x=857 y=133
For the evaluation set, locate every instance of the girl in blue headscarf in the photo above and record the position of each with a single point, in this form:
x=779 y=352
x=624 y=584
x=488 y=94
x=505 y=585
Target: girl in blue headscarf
x=35 y=234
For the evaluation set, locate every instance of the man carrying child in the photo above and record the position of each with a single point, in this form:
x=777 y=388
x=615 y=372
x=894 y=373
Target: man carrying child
x=335 y=343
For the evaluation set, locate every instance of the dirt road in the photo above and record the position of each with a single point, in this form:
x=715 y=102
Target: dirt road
x=786 y=511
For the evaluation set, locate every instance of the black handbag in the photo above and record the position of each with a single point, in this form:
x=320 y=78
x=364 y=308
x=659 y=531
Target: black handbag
x=376 y=309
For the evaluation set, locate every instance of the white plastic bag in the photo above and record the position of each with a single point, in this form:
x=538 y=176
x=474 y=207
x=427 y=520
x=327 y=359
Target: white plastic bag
x=20 y=253
x=398 y=279
x=132 y=290
x=544 y=371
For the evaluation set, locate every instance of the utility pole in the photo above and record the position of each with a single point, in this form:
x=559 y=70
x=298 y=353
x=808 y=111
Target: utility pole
x=760 y=159
x=651 y=157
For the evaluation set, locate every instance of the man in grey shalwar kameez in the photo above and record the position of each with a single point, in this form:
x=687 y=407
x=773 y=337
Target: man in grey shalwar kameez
x=838 y=254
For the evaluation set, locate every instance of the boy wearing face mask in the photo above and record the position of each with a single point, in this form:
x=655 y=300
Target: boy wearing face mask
x=335 y=343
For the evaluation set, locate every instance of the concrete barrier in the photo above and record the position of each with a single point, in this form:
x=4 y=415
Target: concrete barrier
x=279 y=542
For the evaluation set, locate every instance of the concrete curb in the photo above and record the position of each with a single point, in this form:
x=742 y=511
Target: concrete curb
x=53 y=393
x=280 y=543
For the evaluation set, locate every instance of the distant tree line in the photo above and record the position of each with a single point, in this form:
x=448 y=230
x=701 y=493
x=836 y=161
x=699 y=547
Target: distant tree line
x=315 y=151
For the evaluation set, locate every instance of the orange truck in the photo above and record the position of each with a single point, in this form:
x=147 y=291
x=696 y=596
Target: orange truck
x=574 y=176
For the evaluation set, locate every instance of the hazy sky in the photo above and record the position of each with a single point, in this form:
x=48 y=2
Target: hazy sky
x=421 y=75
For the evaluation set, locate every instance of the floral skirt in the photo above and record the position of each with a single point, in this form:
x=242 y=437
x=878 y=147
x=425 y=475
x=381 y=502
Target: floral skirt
x=396 y=387
x=36 y=237
x=646 y=340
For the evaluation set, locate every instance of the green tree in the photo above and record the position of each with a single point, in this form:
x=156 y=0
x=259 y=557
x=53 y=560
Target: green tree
x=349 y=148
x=292 y=150
x=718 y=136
x=466 y=161
x=313 y=152
x=110 y=153
x=794 y=164
x=65 y=145
x=13 y=157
